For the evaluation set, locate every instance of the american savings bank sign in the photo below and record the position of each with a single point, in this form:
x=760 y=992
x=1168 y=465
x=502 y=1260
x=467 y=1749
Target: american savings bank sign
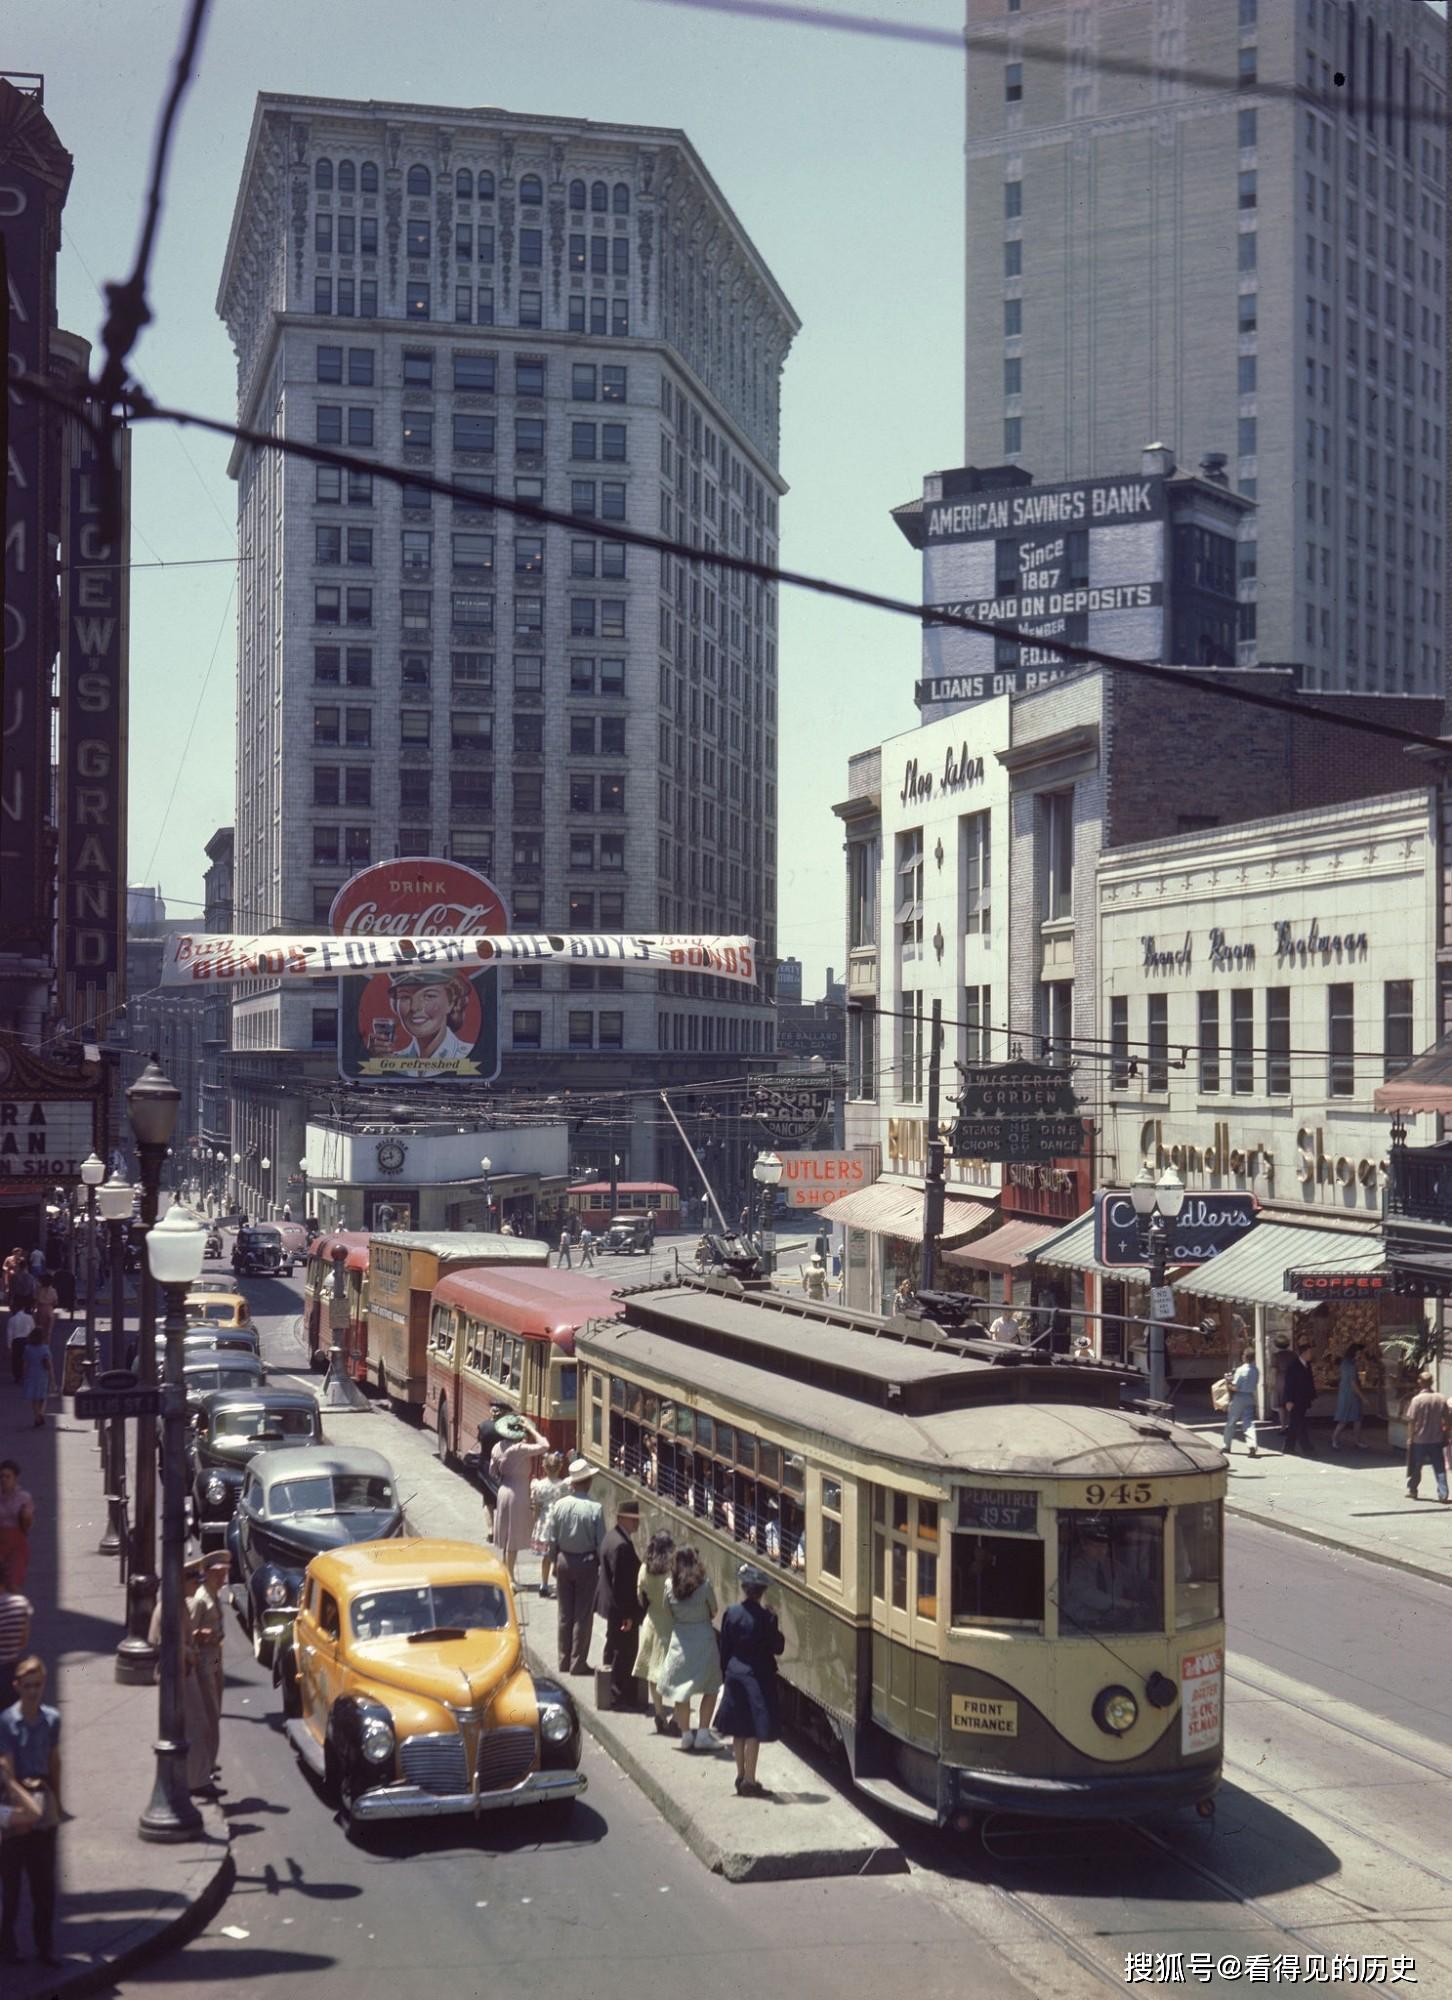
x=1051 y=570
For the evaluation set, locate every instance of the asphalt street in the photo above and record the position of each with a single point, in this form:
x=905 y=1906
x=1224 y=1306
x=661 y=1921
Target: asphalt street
x=1327 y=1840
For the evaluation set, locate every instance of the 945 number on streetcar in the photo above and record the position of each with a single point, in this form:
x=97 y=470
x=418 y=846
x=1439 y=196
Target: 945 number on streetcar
x=1119 y=1493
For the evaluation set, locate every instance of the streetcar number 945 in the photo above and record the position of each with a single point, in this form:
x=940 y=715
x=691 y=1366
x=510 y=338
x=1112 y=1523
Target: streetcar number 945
x=1123 y=1493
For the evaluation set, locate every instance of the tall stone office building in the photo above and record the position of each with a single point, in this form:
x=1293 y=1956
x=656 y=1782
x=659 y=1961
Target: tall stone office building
x=1222 y=224
x=558 y=310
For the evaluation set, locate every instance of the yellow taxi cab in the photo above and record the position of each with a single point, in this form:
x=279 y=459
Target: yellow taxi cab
x=219 y=1308
x=404 y=1687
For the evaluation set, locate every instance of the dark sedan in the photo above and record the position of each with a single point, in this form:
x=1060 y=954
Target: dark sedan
x=211 y=1369
x=294 y=1505
x=230 y=1427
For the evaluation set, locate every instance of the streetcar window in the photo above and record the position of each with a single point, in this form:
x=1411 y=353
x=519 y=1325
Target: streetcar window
x=704 y=1431
x=791 y=1535
x=745 y=1448
x=997 y=1576
x=830 y=1561
x=568 y=1389
x=769 y=1457
x=685 y=1421
x=725 y=1440
x=899 y=1576
x=650 y=1410
x=928 y=1520
x=794 y=1475
x=1111 y=1572
x=878 y=1500
x=633 y=1398
x=617 y=1392
x=900 y=1513
x=596 y=1425
x=1197 y=1563
x=927 y=1594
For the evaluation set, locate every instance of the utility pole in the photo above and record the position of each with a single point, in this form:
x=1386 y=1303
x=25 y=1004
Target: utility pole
x=933 y=1190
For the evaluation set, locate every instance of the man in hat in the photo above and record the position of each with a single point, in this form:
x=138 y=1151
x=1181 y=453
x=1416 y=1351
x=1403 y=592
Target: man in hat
x=208 y=1575
x=814 y=1279
x=429 y=1005
x=489 y=1436
x=615 y=1600
x=576 y=1535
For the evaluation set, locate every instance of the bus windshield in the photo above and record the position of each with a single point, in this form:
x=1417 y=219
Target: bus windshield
x=1111 y=1572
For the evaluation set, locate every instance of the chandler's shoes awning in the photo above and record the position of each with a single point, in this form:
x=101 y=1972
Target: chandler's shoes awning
x=1004 y=1248
x=1252 y=1271
x=1424 y=1085
x=892 y=1208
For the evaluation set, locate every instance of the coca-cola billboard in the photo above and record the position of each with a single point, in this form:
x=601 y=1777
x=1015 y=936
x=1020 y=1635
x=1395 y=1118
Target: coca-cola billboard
x=426 y=1023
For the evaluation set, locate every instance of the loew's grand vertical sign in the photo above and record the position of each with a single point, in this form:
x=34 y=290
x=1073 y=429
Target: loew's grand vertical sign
x=91 y=945
x=35 y=172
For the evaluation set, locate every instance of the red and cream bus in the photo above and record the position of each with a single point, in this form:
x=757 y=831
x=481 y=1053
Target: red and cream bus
x=508 y=1336
x=589 y=1206
x=405 y=1268
x=345 y=1326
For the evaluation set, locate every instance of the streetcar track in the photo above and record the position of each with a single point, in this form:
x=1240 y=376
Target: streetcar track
x=1442 y=1771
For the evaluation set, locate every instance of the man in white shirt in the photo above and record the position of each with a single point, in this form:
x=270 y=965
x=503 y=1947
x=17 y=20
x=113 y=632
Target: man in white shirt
x=1005 y=1327
x=22 y=1325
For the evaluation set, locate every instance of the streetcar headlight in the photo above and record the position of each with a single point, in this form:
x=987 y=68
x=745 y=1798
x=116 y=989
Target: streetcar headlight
x=216 y=1490
x=554 y=1722
x=1115 y=1710
x=376 y=1742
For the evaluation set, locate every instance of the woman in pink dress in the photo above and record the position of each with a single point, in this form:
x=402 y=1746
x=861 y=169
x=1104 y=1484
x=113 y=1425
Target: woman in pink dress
x=17 y=1515
x=511 y=1463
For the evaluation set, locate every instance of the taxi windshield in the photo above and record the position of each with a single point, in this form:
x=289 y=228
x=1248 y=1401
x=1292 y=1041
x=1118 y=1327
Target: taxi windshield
x=330 y=1493
x=221 y=1310
x=402 y=1614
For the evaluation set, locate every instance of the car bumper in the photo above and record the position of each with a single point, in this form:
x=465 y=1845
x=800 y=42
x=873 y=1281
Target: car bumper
x=413 y=1802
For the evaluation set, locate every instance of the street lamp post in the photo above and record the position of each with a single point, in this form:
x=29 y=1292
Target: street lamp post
x=1156 y=1205
x=93 y=1172
x=174 y=1249
x=486 y=1166
x=265 y=1168
x=115 y=1201
x=767 y=1174
x=151 y=1103
x=237 y=1180
x=614 y=1184
x=302 y=1167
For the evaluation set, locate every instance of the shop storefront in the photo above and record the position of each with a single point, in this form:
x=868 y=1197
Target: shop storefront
x=883 y=1240
x=1037 y=1200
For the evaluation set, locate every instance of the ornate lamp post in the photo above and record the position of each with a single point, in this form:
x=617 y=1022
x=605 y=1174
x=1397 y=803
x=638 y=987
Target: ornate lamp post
x=115 y=1200
x=1156 y=1205
x=93 y=1172
x=174 y=1251
x=767 y=1174
x=486 y=1166
x=265 y=1167
x=152 y=1103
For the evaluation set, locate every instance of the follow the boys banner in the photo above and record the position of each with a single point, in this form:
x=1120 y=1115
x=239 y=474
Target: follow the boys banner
x=219 y=961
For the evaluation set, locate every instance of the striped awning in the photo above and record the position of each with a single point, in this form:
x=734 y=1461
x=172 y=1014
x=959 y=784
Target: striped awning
x=1004 y=1248
x=1252 y=1271
x=895 y=1208
x=1072 y=1248
x=1424 y=1085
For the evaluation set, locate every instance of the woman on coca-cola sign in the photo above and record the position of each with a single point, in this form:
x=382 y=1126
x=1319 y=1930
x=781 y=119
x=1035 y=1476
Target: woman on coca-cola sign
x=429 y=1008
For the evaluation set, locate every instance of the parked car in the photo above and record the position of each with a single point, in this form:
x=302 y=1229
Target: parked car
x=260 y=1251
x=212 y=1369
x=201 y=1340
x=405 y=1691
x=294 y=1240
x=293 y=1505
x=223 y=1308
x=231 y=1426
x=214 y=1284
x=626 y=1235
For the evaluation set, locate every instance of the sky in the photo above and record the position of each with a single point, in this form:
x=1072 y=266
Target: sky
x=840 y=154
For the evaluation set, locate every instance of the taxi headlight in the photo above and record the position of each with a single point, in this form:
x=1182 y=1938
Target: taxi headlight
x=554 y=1722
x=275 y=1595
x=1116 y=1711
x=376 y=1742
x=216 y=1489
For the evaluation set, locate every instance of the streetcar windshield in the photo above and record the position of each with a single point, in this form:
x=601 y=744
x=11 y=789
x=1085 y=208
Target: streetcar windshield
x=1197 y=1563
x=1111 y=1572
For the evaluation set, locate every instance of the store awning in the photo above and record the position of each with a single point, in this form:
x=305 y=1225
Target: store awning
x=1424 y=1085
x=893 y=1208
x=1072 y=1249
x=1251 y=1272
x=1003 y=1248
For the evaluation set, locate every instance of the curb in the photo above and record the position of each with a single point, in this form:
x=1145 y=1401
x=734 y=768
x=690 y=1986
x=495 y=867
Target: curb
x=732 y=1864
x=1372 y=1554
x=162 y=1934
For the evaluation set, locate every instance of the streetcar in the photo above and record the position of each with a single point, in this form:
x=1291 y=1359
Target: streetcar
x=508 y=1336
x=998 y=1576
x=403 y=1268
x=596 y=1204
x=331 y=1321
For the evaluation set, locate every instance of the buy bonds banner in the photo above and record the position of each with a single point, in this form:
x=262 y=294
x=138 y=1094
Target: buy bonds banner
x=203 y=959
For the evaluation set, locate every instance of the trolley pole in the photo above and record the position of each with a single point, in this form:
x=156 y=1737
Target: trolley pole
x=933 y=1190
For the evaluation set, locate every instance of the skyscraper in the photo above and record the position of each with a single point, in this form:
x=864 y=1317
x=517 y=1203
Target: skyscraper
x=554 y=310
x=1221 y=224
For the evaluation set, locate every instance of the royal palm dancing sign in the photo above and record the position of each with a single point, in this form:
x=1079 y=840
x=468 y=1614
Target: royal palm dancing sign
x=197 y=960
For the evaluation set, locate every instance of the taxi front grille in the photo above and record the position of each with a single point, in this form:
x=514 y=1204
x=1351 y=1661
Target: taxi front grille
x=505 y=1757
x=435 y=1763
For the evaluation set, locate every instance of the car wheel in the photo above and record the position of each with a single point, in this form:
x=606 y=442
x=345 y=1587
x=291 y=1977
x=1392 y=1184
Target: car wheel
x=285 y=1671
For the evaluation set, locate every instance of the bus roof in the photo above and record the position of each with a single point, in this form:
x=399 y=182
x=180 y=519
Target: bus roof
x=541 y=1305
x=450 y=1245
x=353 y=1241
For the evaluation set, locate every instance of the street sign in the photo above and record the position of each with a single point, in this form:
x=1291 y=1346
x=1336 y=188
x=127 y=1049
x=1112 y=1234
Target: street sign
x=1162 y=1302
x=1030 y=1140
x=1019 y=1090
x=118 y=1402
x=1206 y=1225
x=789 y=1108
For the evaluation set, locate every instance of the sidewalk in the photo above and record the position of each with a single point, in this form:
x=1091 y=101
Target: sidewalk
x=121 y=1900
x=1354 y=1500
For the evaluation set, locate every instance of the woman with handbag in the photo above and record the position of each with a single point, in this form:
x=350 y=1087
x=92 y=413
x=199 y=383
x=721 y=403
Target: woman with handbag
x=30 y=1743
x=1241 y=1407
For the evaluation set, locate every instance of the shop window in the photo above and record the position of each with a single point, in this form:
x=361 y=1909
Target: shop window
x=1111 y=1572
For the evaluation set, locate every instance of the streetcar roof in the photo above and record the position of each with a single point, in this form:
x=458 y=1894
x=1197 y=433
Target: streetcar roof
x=451 y=1245
x=539 y=1304
x=1026 y=1438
